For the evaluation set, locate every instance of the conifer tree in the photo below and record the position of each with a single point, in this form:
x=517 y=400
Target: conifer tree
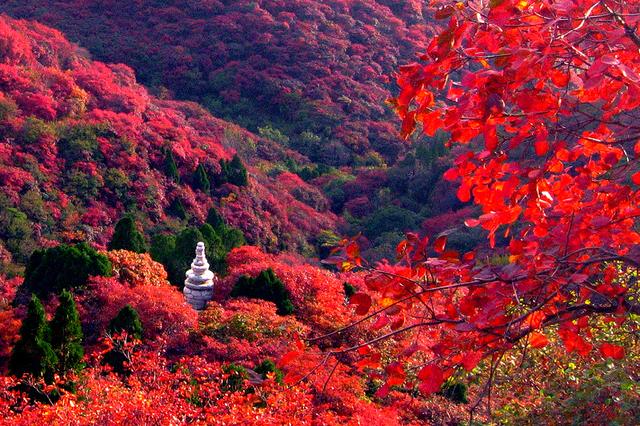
x=170 y=167
x=201 y=179
x=127 y=237
x=127 y=320
x=215 y=219
x=176 y=208
x=237 y=172
x=33 y=354
x=66 y=335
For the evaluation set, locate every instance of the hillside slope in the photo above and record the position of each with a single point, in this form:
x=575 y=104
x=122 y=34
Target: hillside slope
x=81 y=142
x=316 y=72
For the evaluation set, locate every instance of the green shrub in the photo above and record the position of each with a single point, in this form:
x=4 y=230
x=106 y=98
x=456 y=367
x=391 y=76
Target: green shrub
x=268 y=366
x=170 y=167
x=127 y=320
x=63 y=267
x=127 y=237
x=236 y=376
x=266 y=286
x=201 y=179
x=455 y=391
x=232 y=172
x=349 y=290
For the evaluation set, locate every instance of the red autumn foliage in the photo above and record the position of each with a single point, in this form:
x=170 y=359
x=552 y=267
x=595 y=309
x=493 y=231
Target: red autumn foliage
x=48 y=95
x=547 y=171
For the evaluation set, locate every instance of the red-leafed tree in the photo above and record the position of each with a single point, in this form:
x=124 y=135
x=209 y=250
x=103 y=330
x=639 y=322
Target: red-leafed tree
x=543 y=99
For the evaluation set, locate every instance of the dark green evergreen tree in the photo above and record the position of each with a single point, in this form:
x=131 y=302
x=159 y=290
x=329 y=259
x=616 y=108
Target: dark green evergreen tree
x=170 y=167
x=201 y=179
x=176 y=208
x=62 y=267
x=266 y=286
x=127 y=237
x=237 y=173
x=232 y=172
x=33 y=354
x=66 y=335
x=268 y=366
x=127 y=321
x=215 y=219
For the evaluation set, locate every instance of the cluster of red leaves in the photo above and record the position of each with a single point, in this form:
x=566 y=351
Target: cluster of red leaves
x=317 y=294
x=543 y=97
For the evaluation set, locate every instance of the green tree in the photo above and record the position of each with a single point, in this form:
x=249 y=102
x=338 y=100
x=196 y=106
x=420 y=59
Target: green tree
x=127 y=237
x=170 y=167
x=66 y=335
x=232 y=172
x=266 y=286
x=237 y=172
x=176 y=208
x=201 y=179
x=215 y=219
x=63 y=267
x=127 y=320
x=33 y=354
x=268 y=366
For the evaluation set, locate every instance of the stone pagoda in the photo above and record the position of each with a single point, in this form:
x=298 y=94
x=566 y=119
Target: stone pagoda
x=198 y=287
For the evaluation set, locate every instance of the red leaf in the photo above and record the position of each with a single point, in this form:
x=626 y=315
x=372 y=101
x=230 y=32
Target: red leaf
x=288 y=357
x=490 y=137
x=363 y=302
x=464 y=193
x=609 y=350
x=431 y=378
x=380 y=322
x=538 y=340
x=440 y=244
x=471 y=360
x=541 y=147
x=635 y=178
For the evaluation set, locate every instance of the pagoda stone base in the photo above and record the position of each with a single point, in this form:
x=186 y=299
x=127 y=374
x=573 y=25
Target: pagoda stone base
x=198 y=295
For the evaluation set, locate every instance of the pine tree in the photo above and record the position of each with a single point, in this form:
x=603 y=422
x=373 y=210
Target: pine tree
x=127 y=237
x=215 y=219
x=127 y=321
x=237 y=172
x=66 y=335
x=201 y=179
x=170 y=167
x=33 y=354
x=176 y=208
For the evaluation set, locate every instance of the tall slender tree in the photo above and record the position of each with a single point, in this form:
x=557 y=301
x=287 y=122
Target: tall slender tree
x=201 y=179
x=170 y=167
x=66 y=335
x=33 y=354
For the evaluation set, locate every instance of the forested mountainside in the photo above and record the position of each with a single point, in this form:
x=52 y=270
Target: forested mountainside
x=316 y=73
x=311 y=76
x=83 y=142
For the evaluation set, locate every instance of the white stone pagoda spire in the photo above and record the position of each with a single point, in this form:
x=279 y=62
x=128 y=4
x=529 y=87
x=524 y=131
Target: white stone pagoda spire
x=198 y=287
